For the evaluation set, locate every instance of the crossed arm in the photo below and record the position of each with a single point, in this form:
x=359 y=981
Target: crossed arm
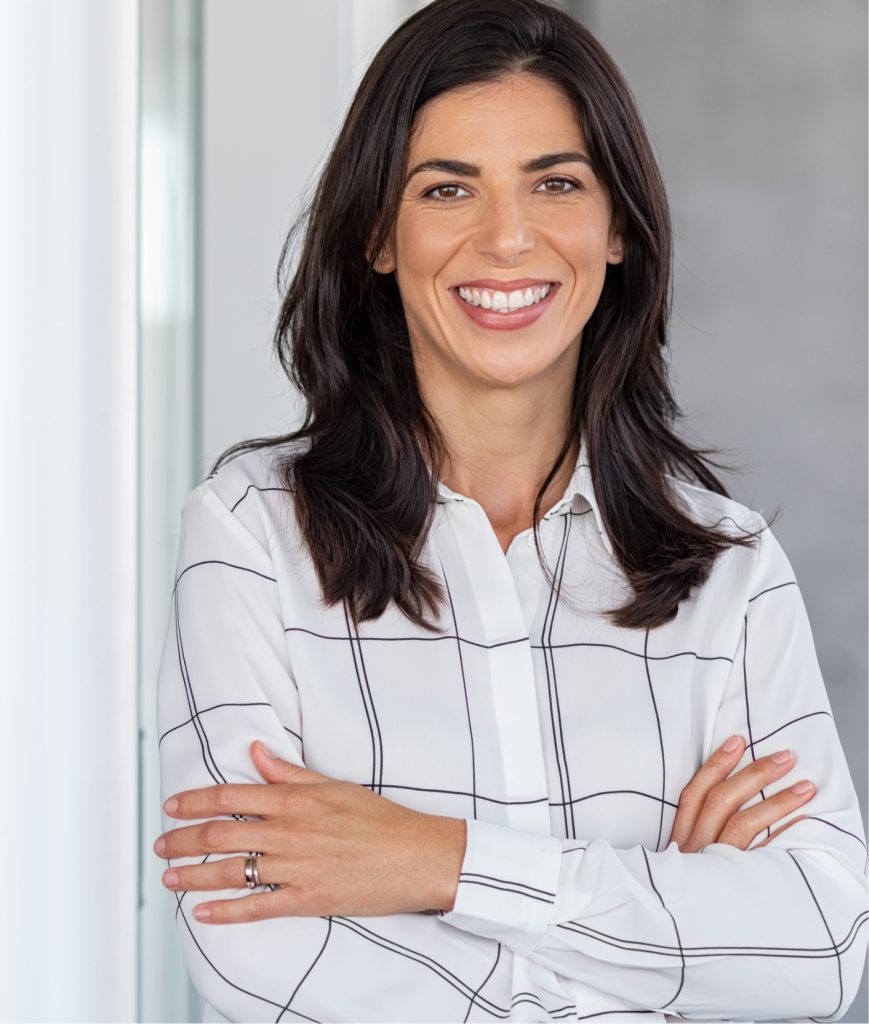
x=777 y=932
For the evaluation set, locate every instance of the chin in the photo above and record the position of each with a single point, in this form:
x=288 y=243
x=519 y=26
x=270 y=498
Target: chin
x=509 y=374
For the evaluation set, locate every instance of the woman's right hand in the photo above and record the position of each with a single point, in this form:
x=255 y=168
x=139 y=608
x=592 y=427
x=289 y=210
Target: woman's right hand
x=709 y=806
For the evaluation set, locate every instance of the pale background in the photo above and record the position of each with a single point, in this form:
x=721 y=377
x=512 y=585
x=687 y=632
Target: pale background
x=153 y=158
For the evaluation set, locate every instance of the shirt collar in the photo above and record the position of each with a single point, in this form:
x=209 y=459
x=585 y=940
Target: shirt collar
x=580 y=485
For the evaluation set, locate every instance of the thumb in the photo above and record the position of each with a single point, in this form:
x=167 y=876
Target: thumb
x=274 y=769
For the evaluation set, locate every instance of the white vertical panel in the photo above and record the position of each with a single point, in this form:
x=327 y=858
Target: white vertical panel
x=169 y=422
x=366 y=24
x=67 y=519
x=369 y=23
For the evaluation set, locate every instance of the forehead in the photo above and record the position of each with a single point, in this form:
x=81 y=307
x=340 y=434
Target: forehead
x=521 y=111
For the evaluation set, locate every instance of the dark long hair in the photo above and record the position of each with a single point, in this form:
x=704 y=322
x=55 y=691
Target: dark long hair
x=364 y=482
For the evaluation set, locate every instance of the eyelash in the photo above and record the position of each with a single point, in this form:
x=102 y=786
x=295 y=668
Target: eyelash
x=428 y=194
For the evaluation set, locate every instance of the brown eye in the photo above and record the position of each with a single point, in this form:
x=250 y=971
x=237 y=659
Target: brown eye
x=571 y=186
x=430 y=193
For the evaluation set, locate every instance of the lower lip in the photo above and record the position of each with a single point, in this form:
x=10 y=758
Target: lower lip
x=506 y=321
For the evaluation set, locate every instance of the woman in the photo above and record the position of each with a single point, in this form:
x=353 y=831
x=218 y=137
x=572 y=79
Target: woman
x=517 y=653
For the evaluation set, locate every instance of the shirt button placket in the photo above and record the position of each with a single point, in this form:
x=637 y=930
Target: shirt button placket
x=511 y=670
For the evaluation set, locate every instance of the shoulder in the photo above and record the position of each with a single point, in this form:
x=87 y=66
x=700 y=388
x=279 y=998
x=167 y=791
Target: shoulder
x=761 y=565
x=715 y=510
x=253 y=472
x=252 y=490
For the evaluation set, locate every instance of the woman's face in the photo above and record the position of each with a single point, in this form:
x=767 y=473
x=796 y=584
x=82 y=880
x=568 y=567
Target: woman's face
x=518 y=207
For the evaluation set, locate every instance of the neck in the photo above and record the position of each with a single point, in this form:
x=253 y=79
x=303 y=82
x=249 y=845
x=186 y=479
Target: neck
x=502 y=443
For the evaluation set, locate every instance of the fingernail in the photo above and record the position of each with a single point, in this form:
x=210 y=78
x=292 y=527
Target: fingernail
x=782 y=757
x=731 y=744
x=265 y=750
x=171 y=805
x=170 y=878
x=160 y=847
x=802 y=787
x=202 y=913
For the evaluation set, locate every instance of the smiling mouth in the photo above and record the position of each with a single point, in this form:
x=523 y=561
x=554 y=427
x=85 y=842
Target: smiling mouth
x=504 y=302
x=509 y=315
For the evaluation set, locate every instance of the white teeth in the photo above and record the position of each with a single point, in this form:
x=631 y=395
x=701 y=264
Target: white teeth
x=502 y=302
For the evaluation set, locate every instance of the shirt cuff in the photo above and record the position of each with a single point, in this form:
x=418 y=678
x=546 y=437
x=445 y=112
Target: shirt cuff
x=507 y=885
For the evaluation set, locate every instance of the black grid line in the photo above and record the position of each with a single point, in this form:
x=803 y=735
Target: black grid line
x=657 y=892
x=682 y=952
x=464 y=691
x=473 y=1000
x=833 y=1012
x=660 y=742
x=552 y=684
x=368 y=703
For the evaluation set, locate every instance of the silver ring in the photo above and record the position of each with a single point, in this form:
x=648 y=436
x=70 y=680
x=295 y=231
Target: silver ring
x=251 y=872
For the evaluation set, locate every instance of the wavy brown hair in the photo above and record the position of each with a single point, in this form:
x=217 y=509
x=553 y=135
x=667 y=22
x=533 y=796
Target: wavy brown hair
x=364 y=480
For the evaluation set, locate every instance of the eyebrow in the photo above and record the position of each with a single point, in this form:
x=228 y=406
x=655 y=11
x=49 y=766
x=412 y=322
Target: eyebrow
x=539 y=163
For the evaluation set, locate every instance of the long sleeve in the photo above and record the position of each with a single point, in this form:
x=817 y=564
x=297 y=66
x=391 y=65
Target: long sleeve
x=772 y=933
x=224 y=681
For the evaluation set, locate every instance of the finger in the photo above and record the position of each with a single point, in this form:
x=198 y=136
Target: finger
x=283 y=770
x=783 y=828
x=282 y=903
x=726 y=798
x=228 y=798
x=714 y=770
x=216 y=836
x=219 y=874
x=743 y=827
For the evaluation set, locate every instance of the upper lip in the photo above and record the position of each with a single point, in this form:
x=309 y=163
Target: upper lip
x=506 y=286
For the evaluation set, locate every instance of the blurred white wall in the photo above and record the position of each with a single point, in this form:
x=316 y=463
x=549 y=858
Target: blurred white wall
x=68 y=781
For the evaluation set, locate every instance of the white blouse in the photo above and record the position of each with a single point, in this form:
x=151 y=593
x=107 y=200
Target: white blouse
x=563 y=740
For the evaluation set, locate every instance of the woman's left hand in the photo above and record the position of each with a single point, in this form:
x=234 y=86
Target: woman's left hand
x=332 y=847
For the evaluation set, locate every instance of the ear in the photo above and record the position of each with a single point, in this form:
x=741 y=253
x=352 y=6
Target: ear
x=384 y=264
x=382 y=261
x=616 y=239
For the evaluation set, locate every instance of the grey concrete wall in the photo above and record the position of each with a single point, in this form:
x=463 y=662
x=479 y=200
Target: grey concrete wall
x=758 y=114
x=270 y=104
x=277 y=76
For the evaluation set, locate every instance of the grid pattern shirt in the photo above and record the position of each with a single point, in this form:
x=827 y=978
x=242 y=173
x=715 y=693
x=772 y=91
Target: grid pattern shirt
x=563 y=740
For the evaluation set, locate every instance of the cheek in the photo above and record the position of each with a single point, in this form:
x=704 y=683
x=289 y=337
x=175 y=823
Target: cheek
x=423 y=245
x=584 y=243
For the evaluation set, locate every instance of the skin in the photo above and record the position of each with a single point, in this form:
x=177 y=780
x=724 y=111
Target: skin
x=333 y=847
x=501 y=399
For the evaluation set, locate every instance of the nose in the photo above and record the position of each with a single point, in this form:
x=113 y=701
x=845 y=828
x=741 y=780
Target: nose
x=504 y=233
